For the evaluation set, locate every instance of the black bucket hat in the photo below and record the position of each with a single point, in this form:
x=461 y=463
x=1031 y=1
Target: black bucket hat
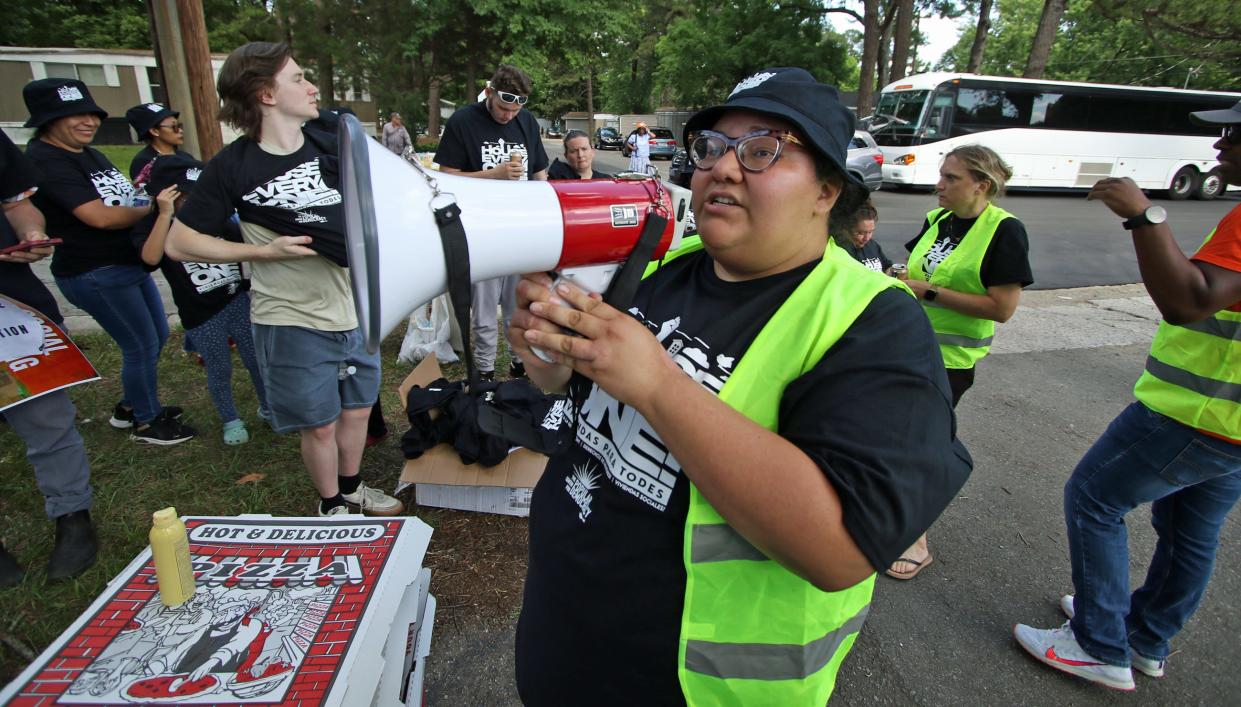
x=145 y=116
x=1227 y=116
x=51 y=99
x=794 y=95
x=178 y=168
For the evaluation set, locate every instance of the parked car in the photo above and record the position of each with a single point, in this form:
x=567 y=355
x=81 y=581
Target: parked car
x=663 y=143
x=865 y=161
x=555 y=131
x=608 y=139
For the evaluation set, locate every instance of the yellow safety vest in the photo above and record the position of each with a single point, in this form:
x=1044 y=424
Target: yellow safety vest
x=752 y=632
x=1193 y=373
x=963 y=340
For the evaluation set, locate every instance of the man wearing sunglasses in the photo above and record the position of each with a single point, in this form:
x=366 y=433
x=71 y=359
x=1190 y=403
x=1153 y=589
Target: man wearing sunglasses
x=161 y=129
x=1178 y=447
x=496 y=138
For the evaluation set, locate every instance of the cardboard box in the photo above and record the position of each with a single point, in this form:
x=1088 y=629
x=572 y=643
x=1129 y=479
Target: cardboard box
x=442 y=481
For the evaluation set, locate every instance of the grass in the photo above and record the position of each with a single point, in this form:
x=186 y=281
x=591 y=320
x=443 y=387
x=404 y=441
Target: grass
x=119 y=155
x=479 y=559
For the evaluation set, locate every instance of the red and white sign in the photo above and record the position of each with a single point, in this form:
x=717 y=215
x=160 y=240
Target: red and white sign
x=36 y=357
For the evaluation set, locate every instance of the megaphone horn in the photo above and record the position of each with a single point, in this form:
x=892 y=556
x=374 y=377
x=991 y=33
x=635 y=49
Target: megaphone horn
x=396 y=257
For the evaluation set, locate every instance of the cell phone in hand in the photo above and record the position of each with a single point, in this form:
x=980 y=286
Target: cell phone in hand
x=29 y=245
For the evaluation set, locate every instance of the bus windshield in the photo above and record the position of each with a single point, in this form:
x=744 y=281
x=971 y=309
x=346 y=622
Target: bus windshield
x=897 y=114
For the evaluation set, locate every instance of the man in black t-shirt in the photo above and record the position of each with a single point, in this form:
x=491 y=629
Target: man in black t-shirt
x=496 y=138
x=279 y=179
x=45 y=423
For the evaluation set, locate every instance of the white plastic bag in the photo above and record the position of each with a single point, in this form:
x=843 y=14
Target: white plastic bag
x=429 y=332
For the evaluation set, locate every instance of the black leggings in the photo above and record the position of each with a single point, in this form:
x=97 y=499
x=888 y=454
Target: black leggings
x=959 y=380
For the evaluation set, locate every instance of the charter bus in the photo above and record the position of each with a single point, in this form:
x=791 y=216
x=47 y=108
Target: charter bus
x=1054 y=134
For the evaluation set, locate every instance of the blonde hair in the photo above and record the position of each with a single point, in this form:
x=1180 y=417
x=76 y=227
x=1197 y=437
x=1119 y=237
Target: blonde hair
x=984 y=165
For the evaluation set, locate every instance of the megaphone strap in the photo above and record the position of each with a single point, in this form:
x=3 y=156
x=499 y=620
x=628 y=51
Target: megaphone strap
x=457 y=265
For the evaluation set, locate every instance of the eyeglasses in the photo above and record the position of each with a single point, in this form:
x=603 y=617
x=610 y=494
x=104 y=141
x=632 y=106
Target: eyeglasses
x=756 y=151
x=512 y=98
x=1232 y=134
x=175 y=127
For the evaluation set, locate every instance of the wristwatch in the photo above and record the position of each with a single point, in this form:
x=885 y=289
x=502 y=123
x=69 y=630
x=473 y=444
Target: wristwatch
x=1152 y=215
x=930 y=295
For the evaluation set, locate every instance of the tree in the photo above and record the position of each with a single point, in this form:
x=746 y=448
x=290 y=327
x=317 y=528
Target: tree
x=901 y=38
x=980 y=37
x=1040 y=48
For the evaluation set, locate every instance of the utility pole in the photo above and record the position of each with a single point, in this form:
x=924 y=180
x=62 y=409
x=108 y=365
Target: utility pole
x=184 y=61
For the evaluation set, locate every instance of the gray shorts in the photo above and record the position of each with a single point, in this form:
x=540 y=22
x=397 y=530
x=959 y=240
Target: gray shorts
x=312 y=375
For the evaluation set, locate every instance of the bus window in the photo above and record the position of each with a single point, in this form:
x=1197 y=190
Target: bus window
x=938 y=120
x=981 y=109
x=896 y=116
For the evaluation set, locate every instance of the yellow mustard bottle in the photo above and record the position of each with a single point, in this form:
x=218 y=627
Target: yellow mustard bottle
x=170 y=545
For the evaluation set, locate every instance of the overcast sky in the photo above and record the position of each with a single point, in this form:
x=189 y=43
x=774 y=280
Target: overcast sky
x=941 y=34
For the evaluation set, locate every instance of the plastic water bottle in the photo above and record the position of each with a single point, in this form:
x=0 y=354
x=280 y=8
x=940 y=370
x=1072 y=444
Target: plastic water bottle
x=140 y=198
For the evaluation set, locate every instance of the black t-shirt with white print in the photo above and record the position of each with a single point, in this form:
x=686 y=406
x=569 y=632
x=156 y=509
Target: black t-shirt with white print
x=1006 y=262
x=474 y=141
x=605 y=585
x=870 y=254
x=200 y=290
x=69 y=180
x=293 y=195
x=18 y=178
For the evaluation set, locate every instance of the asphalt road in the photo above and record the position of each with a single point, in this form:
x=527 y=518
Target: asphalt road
x=1073 y=242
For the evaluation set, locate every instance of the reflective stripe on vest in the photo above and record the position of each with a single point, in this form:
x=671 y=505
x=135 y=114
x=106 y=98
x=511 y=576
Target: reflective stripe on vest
x=1193 y=373
x=752 y=632
x=963 y=340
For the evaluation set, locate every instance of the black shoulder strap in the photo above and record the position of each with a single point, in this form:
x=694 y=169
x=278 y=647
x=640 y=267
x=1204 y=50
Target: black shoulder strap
x=624 y=283
x=457 y=263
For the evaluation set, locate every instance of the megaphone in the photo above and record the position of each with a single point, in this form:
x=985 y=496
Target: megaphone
x=396 y=256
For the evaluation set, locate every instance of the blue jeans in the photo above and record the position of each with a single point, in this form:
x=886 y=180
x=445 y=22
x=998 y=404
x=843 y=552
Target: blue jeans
x=126 y=303
x=1193 y=480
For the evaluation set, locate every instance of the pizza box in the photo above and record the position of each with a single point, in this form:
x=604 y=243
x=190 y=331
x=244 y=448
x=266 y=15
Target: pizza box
x=442 y=481
x=288 y=611
x=414 y=692
x=398 y=651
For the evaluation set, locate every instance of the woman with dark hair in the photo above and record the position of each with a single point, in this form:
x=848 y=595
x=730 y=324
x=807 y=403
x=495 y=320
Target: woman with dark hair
x=163 y=132
x=713 y=533
x=968 y=265
x=579 y=157
x=87 y=203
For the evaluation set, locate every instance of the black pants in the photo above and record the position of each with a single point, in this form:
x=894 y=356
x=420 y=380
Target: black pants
x=959 y=380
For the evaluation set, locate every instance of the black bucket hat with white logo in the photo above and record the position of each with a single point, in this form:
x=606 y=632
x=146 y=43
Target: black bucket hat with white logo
x=794 y=95
x=51 y=99
x=176 y=169
x=1227 y=116
x=145 y=116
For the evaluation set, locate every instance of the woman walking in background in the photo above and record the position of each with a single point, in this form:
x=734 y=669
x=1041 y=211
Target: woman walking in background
x=968 y=266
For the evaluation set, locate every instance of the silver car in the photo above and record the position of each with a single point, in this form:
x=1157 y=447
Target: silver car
x=865 y=161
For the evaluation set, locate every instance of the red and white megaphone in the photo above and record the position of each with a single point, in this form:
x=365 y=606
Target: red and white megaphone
x=396 y=257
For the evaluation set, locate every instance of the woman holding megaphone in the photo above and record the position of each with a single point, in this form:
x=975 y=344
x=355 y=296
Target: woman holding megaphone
x=726 y=504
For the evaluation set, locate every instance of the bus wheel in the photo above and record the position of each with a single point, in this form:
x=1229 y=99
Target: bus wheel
x=1211 y=186
x=1184 y=184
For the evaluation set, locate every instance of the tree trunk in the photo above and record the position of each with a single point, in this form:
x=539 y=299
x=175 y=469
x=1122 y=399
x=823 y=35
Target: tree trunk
x=901 y=39
x=881 y=67
x=870 y=52
x=590 y=104
x=433 y=107
x=1040 y=48
x=980 y=37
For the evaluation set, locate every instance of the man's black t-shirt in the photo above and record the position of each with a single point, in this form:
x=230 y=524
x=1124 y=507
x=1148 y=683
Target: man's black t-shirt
x=17 y=178
x=200 y=290
x=870 y=254
x=293 y=195
x=561 y=170
x=1006 y=262
x=474 y=141
x=606 y=581
x=71 y=179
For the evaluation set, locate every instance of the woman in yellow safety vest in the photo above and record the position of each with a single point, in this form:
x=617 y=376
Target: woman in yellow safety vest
x=968 y=266
x=713 y=534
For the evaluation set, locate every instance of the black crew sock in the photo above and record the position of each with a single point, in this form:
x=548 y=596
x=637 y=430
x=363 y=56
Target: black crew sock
x=349 y=484
x=327 y=504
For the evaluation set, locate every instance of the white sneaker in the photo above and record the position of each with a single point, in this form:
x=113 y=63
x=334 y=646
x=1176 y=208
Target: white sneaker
x=1147 y=666
x=333 y=511
x=1058 y=648
x=373 y=502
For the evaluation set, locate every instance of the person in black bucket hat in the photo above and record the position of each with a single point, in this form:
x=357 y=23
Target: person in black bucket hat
x=160 y=128
x=713 y=535
x=88 y=203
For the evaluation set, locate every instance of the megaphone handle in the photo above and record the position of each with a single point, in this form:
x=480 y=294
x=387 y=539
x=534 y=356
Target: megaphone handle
x=589 y=279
